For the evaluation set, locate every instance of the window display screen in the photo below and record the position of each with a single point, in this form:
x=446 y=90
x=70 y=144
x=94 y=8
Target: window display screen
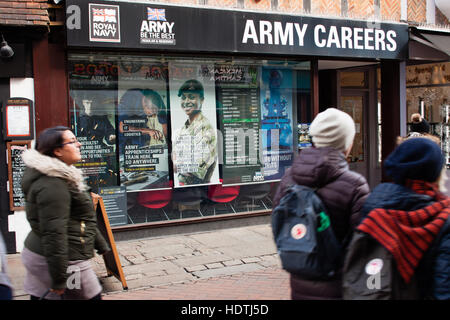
x=159 y=125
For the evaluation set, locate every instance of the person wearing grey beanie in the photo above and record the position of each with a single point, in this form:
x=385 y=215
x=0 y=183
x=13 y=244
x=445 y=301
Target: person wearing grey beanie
x=324 y=167
x=333 y=128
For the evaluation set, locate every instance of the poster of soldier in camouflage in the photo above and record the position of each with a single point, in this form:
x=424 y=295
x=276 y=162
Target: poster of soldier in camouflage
x=142 y=125
x=193 y=120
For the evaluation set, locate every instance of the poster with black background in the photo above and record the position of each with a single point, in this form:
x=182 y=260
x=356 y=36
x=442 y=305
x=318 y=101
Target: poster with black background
x=237 y=92
x=93 y=93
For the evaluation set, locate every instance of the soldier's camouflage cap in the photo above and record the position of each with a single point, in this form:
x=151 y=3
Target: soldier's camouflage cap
x=193 y=86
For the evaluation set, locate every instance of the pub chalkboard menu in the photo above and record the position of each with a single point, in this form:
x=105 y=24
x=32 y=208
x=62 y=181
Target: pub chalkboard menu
x=16 y=168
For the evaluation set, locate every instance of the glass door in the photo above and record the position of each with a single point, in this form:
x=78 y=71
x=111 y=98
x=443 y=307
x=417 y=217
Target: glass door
x=354 y=104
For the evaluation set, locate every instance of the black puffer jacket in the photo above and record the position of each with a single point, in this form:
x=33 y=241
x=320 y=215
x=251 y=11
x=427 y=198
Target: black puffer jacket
x=61 y=215
x=433 y=271
x=342 y=191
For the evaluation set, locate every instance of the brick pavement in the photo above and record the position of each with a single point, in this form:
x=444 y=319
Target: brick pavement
x=233 y=263
x=189 y=257
x=267 y=284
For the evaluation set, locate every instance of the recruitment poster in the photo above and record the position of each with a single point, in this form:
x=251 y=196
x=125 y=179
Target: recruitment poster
x=93 y=99
x=142 y=124
x=193 y=120
x=276 y=121
x=238 y=103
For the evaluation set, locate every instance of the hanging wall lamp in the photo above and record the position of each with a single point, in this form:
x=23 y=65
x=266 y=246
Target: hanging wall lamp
x=5 y=50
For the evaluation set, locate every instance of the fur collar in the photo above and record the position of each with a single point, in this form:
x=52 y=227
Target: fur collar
x=53 y=167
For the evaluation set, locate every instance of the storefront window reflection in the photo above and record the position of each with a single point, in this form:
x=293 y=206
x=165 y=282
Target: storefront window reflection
x=185 y=138
x=428 y=93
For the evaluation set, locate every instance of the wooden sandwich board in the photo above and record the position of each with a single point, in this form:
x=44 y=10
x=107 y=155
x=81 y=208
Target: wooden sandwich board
x=111 y=258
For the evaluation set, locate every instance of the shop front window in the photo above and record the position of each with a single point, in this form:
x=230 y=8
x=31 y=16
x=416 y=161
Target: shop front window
x=177 y=138
x=353 y=79
x=428 y=93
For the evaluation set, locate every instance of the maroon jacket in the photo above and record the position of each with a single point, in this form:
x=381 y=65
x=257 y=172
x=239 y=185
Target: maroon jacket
x=343 y=193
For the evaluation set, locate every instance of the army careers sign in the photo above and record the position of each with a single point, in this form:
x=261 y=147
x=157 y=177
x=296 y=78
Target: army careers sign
x=144 y=26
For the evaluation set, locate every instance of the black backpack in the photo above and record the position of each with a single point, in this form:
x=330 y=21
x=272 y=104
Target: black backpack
x=370 y=273
x=302 y=231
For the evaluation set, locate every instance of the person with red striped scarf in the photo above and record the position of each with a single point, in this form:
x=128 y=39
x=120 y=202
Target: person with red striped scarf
x=410 y=217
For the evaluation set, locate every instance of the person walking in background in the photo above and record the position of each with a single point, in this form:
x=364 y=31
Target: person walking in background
x=5 y=282
x=64 y=232
x=419 y=128
x=419 y=124
x=343 y=192
x=410 y=218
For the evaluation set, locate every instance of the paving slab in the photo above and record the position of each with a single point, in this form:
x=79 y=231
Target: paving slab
x=150 y=268
x=197 y=260
x=216 y=239
x=249 y=250
x=225 y=271
x=166 y=250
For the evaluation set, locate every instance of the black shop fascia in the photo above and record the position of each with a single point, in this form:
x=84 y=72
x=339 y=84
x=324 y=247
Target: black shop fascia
x=139 y=26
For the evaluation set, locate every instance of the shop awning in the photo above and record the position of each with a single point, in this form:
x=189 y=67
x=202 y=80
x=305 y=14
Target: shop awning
x=431 y=45
x=444 y=7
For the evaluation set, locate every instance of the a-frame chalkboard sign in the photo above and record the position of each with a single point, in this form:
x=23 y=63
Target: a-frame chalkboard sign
x=16 y=168
x=111 y=258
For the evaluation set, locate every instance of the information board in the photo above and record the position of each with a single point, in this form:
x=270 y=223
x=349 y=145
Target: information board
x=115 y=200
x=16 y=168
x=18 y=119
x=237 y=92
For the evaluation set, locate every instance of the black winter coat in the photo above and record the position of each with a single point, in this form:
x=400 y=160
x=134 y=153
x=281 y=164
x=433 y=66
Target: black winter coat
x=433 y=272
x=343 y=193
x=61 y=215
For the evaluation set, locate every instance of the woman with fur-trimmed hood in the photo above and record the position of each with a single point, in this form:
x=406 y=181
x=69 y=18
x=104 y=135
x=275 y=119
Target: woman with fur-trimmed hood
x=63 y=222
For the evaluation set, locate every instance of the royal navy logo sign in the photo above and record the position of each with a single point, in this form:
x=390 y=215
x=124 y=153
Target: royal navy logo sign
x=104 y=23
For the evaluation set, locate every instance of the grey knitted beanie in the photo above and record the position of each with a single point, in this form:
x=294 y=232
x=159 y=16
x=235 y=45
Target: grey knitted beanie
x=333 y=128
